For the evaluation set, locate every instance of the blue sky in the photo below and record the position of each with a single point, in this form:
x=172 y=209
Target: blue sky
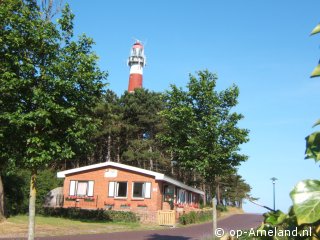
x=264 y=47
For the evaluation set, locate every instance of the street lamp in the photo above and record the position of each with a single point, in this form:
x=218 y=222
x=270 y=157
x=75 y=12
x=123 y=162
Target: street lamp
x=273 y=179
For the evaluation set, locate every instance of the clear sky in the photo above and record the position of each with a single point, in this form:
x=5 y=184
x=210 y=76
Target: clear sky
x=264 y=47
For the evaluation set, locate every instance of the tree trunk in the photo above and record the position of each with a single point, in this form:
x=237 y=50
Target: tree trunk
x=32 y=206
x=118 y=154
x=150 y=159
x=205 y=194
x=218 y=193
x=2 y=216
x=109 y=148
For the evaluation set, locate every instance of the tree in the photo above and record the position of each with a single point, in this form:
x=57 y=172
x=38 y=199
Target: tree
x=49 y=85
x=108 y=137
x=142 y=124
x=201 y=130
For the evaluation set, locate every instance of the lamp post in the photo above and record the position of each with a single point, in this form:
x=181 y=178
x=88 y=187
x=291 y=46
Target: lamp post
x=273 y=179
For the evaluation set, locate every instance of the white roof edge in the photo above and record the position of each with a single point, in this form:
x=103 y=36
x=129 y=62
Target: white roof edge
x=158 y=176
x=105 y=164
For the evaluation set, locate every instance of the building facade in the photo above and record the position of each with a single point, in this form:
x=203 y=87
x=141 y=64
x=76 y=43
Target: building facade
x=115 y=186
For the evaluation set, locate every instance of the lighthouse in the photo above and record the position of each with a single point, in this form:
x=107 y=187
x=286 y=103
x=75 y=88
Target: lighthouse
x=136 y=62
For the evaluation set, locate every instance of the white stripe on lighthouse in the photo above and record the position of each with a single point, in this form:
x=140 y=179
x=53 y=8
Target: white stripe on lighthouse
x=137 y=69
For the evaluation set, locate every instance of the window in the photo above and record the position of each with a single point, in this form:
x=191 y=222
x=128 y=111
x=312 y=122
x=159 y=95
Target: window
x=141 y=190
x=138 y=190
x=121 y=189
x=168 y=193
x=191 y=198
x=118 y=189
x=81 y=188
x=181 y=196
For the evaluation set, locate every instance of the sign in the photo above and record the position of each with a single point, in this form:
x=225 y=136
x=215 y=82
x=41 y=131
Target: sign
x=111 y=173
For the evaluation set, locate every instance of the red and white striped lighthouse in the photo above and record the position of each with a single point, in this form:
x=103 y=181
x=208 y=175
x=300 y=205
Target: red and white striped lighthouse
x=136 y=62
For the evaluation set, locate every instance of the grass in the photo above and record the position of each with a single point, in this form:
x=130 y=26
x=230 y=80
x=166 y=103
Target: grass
x=17 y=226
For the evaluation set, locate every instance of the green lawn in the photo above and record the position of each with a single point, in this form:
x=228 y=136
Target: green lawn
x=50 y=226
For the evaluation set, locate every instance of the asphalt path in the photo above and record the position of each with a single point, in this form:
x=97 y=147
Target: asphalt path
x=195 y=232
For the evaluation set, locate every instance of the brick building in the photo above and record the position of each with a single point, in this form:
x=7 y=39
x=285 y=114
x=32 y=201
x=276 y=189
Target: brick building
x=116 y=186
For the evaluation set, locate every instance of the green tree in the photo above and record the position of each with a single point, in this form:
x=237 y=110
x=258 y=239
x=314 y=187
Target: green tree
x=201 y=128
x=234 y=190
x=108 y=137
x=49 y=85
x=142 y=123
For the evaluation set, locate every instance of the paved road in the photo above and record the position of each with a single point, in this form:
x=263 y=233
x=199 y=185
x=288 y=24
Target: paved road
x=196 y=232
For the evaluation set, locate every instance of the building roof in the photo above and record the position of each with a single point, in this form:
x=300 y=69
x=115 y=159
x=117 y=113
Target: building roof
x=158 y=176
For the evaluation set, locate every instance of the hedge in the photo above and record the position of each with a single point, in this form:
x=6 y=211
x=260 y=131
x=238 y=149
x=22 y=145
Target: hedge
x=195 y=217
x=94 y=215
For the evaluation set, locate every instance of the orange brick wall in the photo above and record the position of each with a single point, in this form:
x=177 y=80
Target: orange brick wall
x=101 y=184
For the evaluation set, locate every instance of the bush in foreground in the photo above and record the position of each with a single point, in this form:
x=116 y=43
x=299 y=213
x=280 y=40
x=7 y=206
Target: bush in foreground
x=195 y=217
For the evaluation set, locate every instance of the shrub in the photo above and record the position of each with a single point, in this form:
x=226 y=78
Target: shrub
x=16 y=189
x=91 y=215
x=194 y=217
x=221 y=208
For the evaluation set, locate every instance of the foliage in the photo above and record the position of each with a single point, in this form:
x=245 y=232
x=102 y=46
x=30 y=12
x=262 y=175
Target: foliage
x=129 y=128
x=86 y=214
x=58 y=81
x=195 y=217
x=232 y=189
x=143 y=123
x=47 y=180
x=108 y=137
x=52 y=101
x=49 y=85
x=278 y=225
x=221 y=208
x=201 y=130
x=16 y=187
x=306 y=201
x=316 y=71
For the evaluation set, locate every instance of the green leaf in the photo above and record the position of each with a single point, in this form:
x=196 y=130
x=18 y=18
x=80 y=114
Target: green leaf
x=316 y=123
x=316 y=72
x=275 y=218
x=313 y=146
x=306 y=201
x=316 y=30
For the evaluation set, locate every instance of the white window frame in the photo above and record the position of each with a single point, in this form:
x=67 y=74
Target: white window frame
x=117 y=189
x=111 y=189
x=90 y=190
x=73 y=188
x=146 y=190
x=143 y=190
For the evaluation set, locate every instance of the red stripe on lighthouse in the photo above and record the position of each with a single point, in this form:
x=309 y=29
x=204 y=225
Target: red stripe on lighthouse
x=135 y=81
